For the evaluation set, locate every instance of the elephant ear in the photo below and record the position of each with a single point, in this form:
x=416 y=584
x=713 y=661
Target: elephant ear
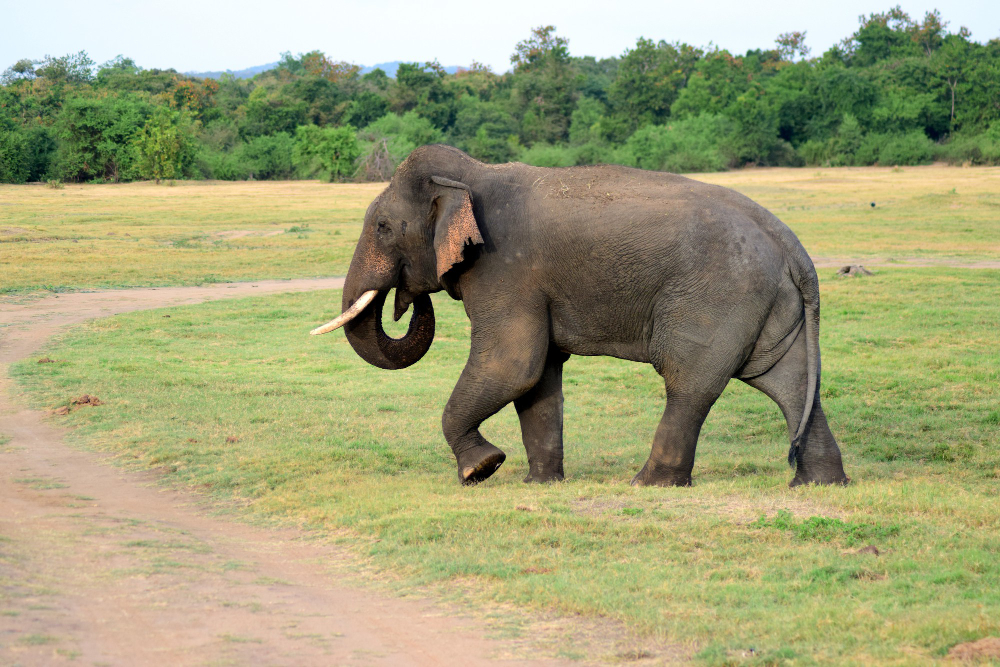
x=454 y=223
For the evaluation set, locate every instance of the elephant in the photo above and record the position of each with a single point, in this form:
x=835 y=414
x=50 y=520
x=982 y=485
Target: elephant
x=695 y=279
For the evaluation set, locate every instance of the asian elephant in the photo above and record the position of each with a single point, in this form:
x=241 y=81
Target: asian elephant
x=695 y=279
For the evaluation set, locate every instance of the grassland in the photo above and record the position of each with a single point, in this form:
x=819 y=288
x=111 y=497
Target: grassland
x=234 y=397
x=141 y=234
x=84 y=236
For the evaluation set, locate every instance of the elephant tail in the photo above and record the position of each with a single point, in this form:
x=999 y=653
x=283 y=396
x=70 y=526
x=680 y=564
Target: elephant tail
x=804 y=276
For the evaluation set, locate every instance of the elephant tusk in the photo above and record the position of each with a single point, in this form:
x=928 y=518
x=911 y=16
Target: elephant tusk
x=347 y=315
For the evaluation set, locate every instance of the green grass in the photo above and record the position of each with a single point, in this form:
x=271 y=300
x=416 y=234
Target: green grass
x=911 y=386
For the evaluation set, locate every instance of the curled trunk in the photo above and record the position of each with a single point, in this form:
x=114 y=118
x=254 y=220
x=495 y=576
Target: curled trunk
x=369 y=340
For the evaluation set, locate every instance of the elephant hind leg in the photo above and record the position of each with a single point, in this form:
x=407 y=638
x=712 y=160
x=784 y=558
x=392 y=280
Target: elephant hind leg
x=818 y=458
x=672 y=457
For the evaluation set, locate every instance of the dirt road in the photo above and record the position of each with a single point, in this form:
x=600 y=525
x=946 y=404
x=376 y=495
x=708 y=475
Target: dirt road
x=102 y=566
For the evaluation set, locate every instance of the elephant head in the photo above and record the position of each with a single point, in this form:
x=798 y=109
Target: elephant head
x=414 y=233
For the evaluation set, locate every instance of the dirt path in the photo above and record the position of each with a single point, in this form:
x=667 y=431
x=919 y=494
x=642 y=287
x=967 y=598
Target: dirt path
x=102 y=566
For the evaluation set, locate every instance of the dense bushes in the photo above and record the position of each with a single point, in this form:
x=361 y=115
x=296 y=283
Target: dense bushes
x=983 y=149
x=699 y=143
x=897 y=91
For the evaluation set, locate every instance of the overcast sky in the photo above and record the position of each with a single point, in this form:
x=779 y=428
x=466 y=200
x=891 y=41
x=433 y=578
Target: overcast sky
x=209 y=35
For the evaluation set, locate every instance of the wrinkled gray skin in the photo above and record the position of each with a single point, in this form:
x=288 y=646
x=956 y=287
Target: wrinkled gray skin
x=695 y=279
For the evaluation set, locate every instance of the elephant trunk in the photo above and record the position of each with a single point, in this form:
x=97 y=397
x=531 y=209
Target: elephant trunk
x=362 y=314
x=369 y=340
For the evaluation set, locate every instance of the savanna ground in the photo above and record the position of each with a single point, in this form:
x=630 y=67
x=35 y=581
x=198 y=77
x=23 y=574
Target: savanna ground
x=235 y=398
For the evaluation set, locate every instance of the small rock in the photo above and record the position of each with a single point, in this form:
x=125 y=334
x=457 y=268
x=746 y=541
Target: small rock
x=854 y=270
x=873 y=204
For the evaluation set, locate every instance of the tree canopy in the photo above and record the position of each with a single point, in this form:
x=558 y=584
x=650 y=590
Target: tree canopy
x=897 y=91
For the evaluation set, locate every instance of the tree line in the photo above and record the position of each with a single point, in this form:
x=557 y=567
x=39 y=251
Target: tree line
x=898 y=91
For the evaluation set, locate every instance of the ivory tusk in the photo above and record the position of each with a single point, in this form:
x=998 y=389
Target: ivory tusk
x=347 y=315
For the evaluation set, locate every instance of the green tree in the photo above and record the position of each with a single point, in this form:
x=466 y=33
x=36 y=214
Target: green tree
x=421 y=88
x=162 y=146
x=14 y=164
x=544 y=86
x=334 y=149
x=951 y=64
x=792 y=44
x=650 y=77
x=94 y=137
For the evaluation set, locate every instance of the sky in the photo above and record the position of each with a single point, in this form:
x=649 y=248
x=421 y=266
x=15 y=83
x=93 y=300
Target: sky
x=203 y=35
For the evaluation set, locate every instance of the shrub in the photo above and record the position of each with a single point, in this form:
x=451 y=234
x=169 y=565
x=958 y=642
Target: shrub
x=221 y=165
x=908 y=148
x=333 y=149
x=386 y=143
x=548 y=155
x=14 y=167
x=691 y=144
x=164 y=146
x=485 y=130
x=268 y=157
x=816 y=151
x=595 y=153
x=96 y=137
x=977 y=149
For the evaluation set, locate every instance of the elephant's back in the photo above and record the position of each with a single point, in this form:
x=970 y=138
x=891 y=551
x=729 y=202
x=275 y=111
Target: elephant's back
x=612 y=245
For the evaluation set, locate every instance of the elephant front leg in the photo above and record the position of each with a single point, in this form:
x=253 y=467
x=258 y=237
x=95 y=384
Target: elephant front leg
x=501 y=369
x=540 y=411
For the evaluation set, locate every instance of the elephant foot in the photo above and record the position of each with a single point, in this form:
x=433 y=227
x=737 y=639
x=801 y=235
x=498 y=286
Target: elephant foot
x=543 y=478
x=825 y=480
x=478 y=463
x=646 y=478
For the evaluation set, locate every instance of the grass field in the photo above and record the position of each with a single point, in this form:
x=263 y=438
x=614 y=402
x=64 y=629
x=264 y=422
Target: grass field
x=911 y=385
x=197 y=232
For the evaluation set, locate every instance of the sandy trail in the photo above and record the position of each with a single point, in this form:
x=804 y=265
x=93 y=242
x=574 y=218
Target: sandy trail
x=103 y=566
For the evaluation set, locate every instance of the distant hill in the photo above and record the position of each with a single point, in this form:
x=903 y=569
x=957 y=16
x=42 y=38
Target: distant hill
x=248 y=73
x=390 y=68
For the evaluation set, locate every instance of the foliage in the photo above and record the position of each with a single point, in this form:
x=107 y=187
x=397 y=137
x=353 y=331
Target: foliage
x=649 y=78
x=973 y=149
x=163 y=146
x=388 y=140
x=895 y=77
x=269 y=157
x=546 y=155
x=96 y=138
x=333 y=149
x=691 y=144
x=13 y=155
